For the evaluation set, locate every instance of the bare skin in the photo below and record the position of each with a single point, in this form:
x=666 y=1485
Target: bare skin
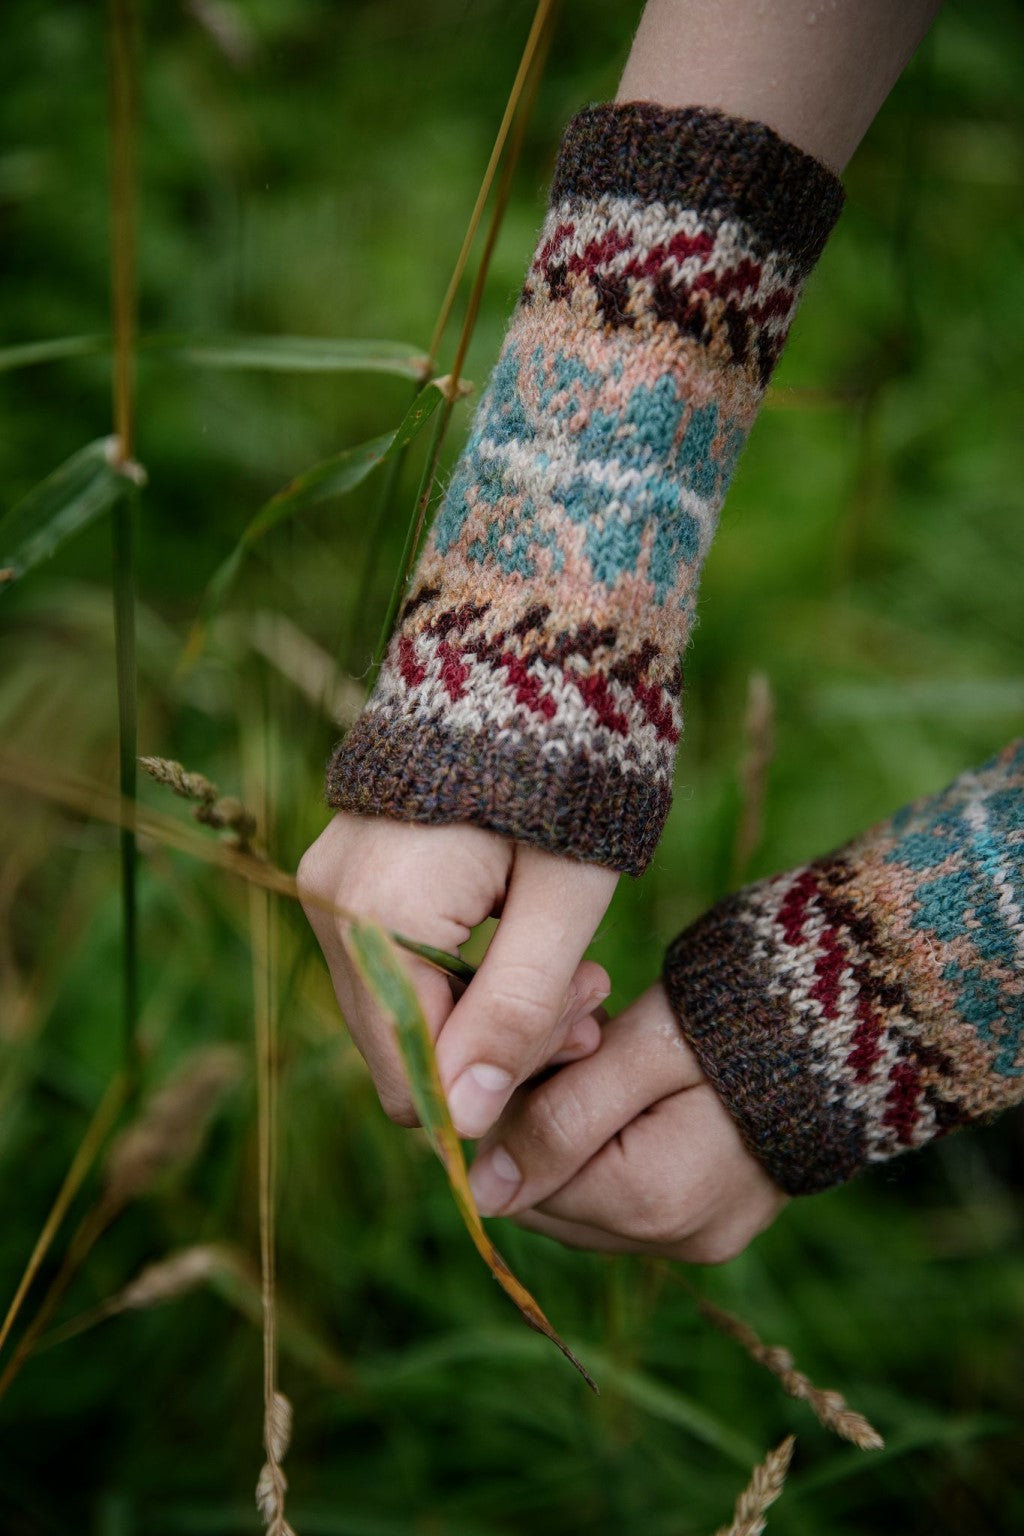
x=606 y=1155
x=816 y=71
x=628 y=1151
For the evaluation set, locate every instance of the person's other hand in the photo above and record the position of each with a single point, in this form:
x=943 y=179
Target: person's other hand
x=628 y=1151
x=533 y=998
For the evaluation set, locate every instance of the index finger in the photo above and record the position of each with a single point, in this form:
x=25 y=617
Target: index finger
x=502 y=1028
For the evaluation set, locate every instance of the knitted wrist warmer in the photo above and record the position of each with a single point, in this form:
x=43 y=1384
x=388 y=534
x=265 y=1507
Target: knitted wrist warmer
x=533 y=683
x=865 y=1003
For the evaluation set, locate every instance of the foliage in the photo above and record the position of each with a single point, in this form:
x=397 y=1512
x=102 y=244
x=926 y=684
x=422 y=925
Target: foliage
x=307 y=170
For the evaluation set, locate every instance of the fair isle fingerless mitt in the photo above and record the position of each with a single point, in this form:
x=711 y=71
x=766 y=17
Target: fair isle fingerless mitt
x=870 y=1001
x=533 y=683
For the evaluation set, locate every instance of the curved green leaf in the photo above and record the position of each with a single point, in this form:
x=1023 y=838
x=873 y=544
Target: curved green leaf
x=665 y=1402
x=275 y=354
x=292 y=354
x=386 y=977
x=85 y=486
x=27 y=354
x=333 y=477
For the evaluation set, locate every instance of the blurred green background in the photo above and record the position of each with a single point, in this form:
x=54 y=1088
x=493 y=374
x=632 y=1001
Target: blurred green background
x=308 y=167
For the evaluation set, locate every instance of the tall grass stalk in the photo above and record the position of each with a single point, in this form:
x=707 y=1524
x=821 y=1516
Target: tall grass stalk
x=534 y=50
x=264 y=950
x=95 y=801
x=165 y=1135
x=122 y=31
x=759 y=750
x=517 y=109
x=531 y=66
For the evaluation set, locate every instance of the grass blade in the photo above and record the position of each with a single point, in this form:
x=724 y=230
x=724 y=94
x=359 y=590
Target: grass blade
x=522 y=97
x=266 y=354
x=123 y=550
x=123 y=48
x=666 y=1403
x=293 y=354
x=75 y=495
x=94 y=801
x=333 y=477
x=96 y=1133
x=28 y=354
x=386 y=978
x=343 y=471
x=452 y=965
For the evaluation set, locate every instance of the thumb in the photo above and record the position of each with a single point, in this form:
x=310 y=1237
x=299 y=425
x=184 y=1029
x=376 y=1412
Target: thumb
x=512 y=1015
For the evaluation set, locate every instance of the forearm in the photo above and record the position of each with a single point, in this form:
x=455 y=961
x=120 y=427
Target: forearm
x=534 y=683
x=533 y=686
x=816 y=71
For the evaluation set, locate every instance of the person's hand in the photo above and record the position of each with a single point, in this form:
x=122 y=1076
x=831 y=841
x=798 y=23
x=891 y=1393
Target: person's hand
x=628 y=1151
x=533 y=998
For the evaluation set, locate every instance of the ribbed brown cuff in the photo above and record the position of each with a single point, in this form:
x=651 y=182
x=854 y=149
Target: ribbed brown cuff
x=746 y=1035
x=566 y=803
x=697 y=158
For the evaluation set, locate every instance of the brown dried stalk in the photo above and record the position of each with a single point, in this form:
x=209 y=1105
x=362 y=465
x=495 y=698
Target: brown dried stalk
x=190 y=786
x=538 y=29
x=830 y=1408
x=83 y=797
x=272 y=1484
x=95 y=1135
x=166 y=1134
x=759 y=739
x=767 y=1479
x=225 y=814
x=164 y=1280
x=307 y=666
x=172 y=1125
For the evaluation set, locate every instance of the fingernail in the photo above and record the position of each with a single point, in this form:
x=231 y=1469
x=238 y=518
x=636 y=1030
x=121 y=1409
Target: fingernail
x=494 y=1179
x=477 y=1098
x=570 y=1006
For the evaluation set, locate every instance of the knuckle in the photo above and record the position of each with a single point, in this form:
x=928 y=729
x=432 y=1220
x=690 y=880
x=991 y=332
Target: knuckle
x=651 y=1212
x=309 y=877
x=522 y=1008
x=646 y=1221
x=556 y=1120
x=715 y=1247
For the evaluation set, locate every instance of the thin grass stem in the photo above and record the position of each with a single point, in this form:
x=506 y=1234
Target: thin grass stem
x=412 y=534
x=95 y=1134
x=539 y=32
x=98 y=803
x=386 y=499
x=264 y=949
x=127 y=743
x=123 y=23
x=90 y=1228
x=524 y=92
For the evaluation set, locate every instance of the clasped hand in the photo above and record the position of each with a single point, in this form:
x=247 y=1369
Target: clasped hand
x=626 y=1147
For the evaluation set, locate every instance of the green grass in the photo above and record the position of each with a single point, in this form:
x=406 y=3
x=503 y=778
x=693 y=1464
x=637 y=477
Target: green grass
x=869 y=561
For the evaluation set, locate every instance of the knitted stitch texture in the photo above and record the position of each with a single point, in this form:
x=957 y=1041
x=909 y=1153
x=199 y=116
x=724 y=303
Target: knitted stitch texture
x=533 y=683
x=865 y=1003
